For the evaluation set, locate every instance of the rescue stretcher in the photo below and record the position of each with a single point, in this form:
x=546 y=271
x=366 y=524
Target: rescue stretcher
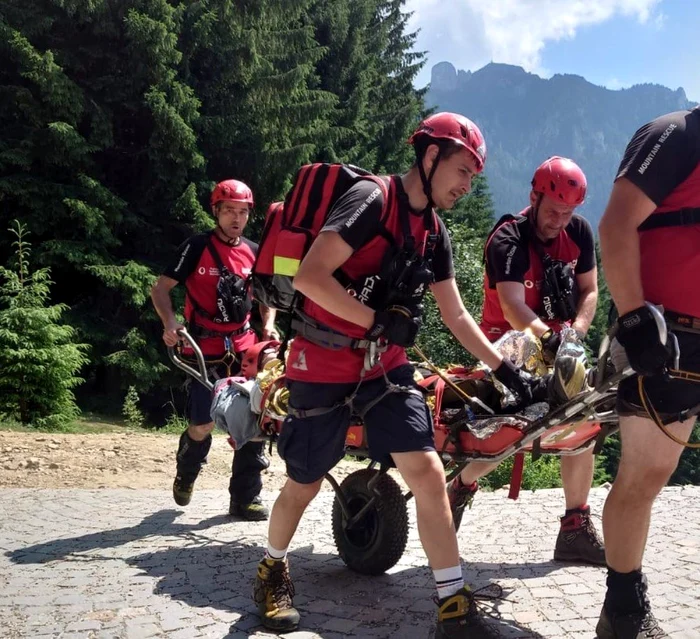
x=370 y=515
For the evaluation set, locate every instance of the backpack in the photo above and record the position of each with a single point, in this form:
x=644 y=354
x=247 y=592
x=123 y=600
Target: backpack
x=292 y=226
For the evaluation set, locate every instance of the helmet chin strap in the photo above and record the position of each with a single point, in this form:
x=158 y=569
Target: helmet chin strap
x=427 y=180
x=536 y=210
x=233 y=241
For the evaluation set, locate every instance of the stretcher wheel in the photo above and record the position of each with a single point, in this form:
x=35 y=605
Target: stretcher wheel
x=376 y=542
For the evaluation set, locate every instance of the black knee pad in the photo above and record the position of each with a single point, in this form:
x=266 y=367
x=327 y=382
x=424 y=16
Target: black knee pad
x=191 y=454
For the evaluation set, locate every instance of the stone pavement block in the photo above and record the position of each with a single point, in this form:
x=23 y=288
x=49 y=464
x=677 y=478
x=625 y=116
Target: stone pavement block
x=411 y=632
x=345 y=626
x=83 y=625
x=125 y=561
x=143 y=632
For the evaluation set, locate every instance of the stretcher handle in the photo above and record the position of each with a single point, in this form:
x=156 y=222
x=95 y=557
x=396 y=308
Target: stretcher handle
x=199 y=375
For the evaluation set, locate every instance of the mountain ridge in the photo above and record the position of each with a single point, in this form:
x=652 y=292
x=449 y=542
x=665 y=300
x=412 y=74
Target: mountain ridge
x=526 y=119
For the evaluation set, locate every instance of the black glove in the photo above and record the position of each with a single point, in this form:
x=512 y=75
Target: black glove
x=396 y=326
x=639 y=333
x=550 y=341
x=515 y=380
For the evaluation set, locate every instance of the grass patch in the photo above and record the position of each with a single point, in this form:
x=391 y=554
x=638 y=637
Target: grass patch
x=96 y=424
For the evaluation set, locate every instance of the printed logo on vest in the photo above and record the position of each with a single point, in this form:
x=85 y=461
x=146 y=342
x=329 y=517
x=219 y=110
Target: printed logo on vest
x=300 y=363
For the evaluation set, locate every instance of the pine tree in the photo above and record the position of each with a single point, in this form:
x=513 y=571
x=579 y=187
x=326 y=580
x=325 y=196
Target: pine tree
x=397 y=105
x=475 y=212
x=349 y=72
x=39 y=361
x=98 y=155
x=252 y=64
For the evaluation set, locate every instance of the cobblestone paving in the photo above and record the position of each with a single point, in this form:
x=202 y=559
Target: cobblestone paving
x=130 y=564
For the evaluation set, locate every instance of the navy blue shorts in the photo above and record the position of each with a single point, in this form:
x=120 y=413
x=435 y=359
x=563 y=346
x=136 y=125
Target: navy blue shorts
x=673 y=399
x=198 y=408
x=398 y=423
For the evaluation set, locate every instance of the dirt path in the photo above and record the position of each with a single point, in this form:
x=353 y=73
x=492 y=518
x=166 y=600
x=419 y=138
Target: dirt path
x=118 y=460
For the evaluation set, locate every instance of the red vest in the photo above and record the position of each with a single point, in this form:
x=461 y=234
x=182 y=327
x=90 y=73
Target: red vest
x=201 y=285
x=313 y=363
x=493 y=322
x=670 y=256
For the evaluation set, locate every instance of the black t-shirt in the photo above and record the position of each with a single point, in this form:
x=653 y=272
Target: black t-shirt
x=663 y=153
x=508 y=251
x=356 y=217
x=189 y=253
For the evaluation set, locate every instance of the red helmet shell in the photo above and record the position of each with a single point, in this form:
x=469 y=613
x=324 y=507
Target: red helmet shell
x=560 y=179
x=232 y=191
x=455 y=127
x=252 y=358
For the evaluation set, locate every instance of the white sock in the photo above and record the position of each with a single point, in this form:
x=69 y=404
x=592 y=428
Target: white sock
x=448 y=581
x=273 y=553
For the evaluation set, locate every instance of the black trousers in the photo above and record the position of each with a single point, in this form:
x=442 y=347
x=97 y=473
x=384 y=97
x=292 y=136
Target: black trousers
x=248 y=462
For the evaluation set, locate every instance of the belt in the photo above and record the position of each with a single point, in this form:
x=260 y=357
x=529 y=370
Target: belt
x=682 y=322
x=200 y=331
x=325 y=337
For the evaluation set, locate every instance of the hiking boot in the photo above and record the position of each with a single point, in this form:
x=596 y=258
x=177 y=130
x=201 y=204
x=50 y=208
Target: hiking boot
x=637 y=625
x=183 y=486
x=273 y=591
x=253 y=511
x=578 y=540
x=459 y=617
x=460 y=496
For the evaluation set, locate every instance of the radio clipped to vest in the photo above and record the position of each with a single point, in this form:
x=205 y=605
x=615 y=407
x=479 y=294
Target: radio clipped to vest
x=403 y=280
x=233 y=304
x=559 y=290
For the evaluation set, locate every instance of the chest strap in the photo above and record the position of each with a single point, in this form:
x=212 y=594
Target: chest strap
x=682 y=217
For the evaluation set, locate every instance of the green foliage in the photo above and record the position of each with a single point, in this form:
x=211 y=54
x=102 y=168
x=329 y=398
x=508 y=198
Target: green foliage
x=116 y=117
x=474 y=213
x=600 y=325
x=543 y=473
x=131 y=410
x=688 y=471
x=468 y=224
x=175 y=423
x=39 y=361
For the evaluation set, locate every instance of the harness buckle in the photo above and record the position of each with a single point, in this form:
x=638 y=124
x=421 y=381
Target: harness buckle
x=374 y=351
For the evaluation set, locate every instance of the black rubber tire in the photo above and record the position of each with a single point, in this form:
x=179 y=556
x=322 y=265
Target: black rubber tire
x=378 y=540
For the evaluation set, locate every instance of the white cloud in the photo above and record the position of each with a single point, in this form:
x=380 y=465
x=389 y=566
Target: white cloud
x=470 y=33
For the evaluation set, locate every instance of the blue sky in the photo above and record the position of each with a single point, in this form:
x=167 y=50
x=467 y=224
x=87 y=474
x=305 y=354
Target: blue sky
x=614 y=43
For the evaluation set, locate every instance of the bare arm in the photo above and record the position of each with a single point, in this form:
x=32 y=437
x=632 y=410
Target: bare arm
x=268 y=316
x=519 y=315
x=160 y=295
x=315 y=279
x=619 y=243
x=588 y=300
x=462 y=324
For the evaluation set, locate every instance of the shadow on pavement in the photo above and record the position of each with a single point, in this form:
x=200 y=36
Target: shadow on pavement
x=212 y=573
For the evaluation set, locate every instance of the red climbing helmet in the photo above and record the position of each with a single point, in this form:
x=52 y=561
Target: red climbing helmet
x=251 y=363
x=455 y=127
x=560 y=179
x=231 y=191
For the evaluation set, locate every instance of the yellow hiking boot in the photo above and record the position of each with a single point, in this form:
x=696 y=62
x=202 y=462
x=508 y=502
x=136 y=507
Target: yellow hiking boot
x=459 y=617
x=273 y=591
